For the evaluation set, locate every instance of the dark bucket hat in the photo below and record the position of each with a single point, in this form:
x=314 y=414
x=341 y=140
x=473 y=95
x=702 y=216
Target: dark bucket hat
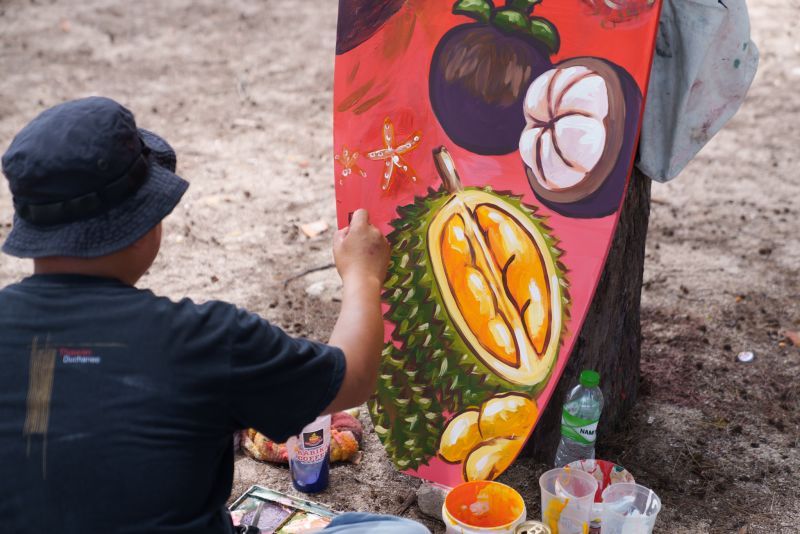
x=87 y=182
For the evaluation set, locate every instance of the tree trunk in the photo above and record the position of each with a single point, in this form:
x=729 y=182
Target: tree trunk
x=610 y=340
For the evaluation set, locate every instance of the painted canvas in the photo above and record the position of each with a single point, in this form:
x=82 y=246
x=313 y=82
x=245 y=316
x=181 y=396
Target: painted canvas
x=492 y=142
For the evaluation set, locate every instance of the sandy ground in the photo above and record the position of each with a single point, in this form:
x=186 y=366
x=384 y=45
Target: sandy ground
x=243 y=90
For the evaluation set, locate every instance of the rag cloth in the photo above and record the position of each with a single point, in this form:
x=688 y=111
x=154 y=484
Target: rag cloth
x=346 y=437
x=702 y=68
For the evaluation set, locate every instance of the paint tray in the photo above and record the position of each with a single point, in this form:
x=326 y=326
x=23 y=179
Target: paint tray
x=277 y=513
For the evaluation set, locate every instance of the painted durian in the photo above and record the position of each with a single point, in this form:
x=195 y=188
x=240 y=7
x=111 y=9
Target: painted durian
x=479 y=302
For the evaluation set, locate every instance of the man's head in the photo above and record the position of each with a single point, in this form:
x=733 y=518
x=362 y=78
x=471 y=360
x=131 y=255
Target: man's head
x=90 y=190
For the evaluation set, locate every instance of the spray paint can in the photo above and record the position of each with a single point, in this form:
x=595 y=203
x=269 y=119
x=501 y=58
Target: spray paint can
x=309 y=456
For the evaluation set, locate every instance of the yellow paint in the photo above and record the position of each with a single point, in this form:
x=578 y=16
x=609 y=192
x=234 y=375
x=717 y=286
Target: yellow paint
x=511 y=415
x=491 y=458
x=552 y=513
x=498 y=279
x=488 y=440
x=460 y=436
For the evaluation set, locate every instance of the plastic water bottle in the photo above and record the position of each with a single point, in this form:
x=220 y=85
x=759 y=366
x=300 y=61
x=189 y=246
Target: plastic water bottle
x=579 y=418
x=309 y=456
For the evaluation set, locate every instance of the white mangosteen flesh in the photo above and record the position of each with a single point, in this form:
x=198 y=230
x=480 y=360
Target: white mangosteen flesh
x=565 y=135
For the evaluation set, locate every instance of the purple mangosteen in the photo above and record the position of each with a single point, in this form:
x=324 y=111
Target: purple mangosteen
x=480 y=72
x=360 y=19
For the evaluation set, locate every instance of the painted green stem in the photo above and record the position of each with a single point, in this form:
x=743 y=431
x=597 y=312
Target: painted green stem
x=515 y=17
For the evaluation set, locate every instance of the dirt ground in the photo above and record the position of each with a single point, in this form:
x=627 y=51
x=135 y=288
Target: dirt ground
x=243 y=91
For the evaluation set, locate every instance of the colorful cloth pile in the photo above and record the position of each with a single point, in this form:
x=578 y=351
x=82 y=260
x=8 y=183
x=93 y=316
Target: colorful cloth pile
x=346 y=436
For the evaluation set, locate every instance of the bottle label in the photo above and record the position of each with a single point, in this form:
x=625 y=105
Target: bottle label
x=311 y=449
x=312 y=456
x=579 y=430
x=312 y=440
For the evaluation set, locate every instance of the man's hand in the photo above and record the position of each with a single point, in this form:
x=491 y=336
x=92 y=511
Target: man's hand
x=362 y=257
x=360 y=251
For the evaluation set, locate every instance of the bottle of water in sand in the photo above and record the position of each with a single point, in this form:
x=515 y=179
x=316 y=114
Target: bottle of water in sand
x=579 y=418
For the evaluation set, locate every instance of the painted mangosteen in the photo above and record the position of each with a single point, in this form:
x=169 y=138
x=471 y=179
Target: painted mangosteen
x=581 y=127
x=481 y=70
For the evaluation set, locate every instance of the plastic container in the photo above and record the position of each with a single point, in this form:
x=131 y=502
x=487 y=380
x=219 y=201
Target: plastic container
x=606 y=473
x=579 y=419
x=309 y=456
x=482 y=506
x=567 y=499
x=629 y=509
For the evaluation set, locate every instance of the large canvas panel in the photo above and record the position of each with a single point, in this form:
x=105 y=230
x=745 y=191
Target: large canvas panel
x=492 y=142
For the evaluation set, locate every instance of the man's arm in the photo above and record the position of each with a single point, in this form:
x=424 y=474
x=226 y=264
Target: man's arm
x=362 y=257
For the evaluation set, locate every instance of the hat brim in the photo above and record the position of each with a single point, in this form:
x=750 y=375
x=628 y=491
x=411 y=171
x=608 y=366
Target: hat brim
x=114 y=230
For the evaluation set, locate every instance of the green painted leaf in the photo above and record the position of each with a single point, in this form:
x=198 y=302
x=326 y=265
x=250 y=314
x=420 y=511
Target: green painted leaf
x=479 y=10
x=510 y=20
x=543 y=30
x=523 y=6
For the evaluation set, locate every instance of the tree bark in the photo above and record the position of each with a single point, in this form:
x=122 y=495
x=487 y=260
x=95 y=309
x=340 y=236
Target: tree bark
x=610 y=340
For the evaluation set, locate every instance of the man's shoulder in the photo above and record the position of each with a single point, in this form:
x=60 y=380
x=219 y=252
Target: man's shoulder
x=189 y=308
x=208 y=322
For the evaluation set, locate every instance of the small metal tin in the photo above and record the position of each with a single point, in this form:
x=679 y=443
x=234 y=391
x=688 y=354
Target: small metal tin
x=533 y=527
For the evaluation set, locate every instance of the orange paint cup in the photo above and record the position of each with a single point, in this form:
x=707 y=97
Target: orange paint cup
x=483 y=506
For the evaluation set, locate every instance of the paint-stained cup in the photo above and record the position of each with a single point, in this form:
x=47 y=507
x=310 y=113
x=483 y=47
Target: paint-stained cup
x=606 y=473
x=567 y=498
x=629 y=508
x=482 y=506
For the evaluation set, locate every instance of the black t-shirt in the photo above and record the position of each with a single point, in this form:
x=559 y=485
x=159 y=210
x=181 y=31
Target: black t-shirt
x=117 y=407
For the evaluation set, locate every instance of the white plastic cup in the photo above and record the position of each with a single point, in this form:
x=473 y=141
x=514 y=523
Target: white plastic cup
x=629 y=509
x=567 y=498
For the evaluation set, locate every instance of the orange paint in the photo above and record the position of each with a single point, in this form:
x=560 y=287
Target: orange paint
x=484 y=504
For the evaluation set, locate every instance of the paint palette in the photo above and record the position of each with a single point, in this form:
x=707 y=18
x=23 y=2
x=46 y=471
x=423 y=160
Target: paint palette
x=277 y=513
x=492 y=142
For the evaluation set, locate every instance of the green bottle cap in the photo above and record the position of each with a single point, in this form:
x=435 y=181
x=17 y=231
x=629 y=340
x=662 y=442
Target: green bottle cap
x=589 y=378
